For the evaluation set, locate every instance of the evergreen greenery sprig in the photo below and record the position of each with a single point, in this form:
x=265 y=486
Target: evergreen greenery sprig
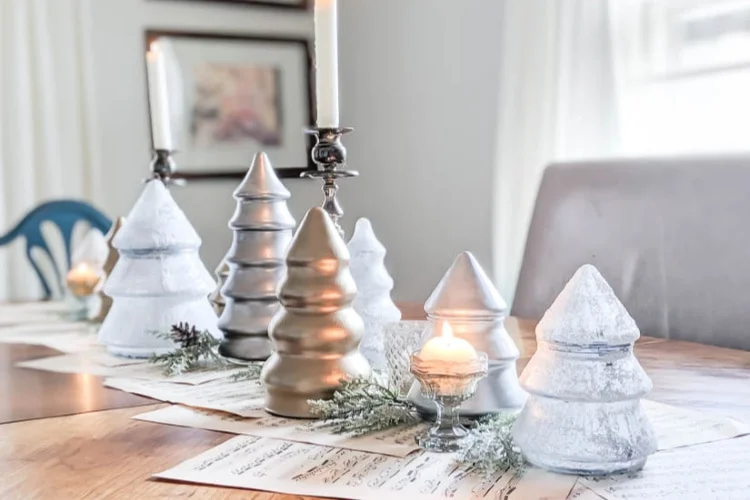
x=251 y=372
x=195 y=350
x=489 y=448
x=363 y=405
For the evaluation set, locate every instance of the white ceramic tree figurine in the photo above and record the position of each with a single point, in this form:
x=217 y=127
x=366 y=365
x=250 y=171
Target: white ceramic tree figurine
x=374 y=285
x=159 y=279
x=584 y=415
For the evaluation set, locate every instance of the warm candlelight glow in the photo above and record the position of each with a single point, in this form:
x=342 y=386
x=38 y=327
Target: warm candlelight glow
x=448 y=348
x=83 y=279
x=83 y=273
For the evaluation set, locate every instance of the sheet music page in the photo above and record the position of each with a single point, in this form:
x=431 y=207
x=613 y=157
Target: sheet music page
x=81 y=363
x=44 y=328
x=10 y=316
x=99 y=355
x=677 y=427
x=67 y=341
x=397 y=442
x=674 y=426
x=40 y=306
x=244 y=398
x=305 y=469
x=25 y=314
x=581 y=492
x=719 y=470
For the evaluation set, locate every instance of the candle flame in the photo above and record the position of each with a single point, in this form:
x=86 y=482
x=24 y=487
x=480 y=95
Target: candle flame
x=83 y=266
x=447 y=331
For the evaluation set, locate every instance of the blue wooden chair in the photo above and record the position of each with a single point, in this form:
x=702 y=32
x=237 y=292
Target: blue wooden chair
x=62 y=213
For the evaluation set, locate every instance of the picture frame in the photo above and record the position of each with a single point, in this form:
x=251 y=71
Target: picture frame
x=232 y=95
x=276 y=4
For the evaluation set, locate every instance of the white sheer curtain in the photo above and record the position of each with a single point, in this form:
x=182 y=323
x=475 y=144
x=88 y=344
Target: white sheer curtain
x=557 y=102
x=45 y=119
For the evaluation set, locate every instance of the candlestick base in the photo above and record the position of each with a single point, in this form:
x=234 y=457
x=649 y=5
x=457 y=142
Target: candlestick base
x=163 y=167
x=329 y=154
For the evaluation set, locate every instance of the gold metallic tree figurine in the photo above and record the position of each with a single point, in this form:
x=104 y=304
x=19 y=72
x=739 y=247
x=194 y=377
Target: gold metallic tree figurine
x=316 y=333
x=109 y=265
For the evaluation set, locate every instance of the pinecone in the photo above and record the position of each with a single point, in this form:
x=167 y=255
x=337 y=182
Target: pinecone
x=185 y=335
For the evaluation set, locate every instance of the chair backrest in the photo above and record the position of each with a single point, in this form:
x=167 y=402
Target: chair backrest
x=64 y=214
x=672 y=237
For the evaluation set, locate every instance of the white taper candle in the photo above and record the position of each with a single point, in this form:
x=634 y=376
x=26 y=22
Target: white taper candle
x=161 y=130
x=327 y=63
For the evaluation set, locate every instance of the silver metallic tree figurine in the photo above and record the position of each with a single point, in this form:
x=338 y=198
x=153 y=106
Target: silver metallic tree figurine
x=262 y=227
x=316 y=332
x=216 y=298
x=329 y=154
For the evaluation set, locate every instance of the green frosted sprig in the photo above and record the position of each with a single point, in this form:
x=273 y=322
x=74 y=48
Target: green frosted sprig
x=363 y=405
x=196 y=350
x=489 y=447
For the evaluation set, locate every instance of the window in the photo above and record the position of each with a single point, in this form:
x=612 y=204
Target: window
x=683 y=71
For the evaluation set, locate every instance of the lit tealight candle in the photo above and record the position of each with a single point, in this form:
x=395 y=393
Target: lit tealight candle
x=82 y=279
x=448 y=349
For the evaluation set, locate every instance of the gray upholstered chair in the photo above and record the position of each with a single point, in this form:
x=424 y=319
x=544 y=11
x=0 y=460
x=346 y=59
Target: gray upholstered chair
x=672 y=237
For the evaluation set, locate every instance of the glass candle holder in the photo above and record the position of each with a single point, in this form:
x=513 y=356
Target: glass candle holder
x=447 y=384
x=401 y=338
x=84 y=283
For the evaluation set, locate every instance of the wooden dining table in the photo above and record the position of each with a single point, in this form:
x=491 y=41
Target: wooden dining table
x=65 y=436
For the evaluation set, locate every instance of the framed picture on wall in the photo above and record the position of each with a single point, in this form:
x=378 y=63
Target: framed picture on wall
x=234 y=95
x=287 y=4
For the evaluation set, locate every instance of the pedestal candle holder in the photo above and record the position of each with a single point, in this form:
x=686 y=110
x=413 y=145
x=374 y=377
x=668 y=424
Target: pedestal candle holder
x=447 y=385
x=329 y=154
x=85 y=293
x=163 y=165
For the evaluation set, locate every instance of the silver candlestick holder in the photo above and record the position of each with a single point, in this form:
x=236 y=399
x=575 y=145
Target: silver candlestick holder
x=329 y=154
x=163 y=167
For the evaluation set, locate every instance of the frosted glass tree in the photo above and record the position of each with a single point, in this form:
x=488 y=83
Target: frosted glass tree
x=584 y=415
x=374 y=285
x=467 y=299
x=159 y=279
x=262 y=227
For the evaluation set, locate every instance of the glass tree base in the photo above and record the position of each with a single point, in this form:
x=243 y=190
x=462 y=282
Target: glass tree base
x=578 y=468
x=443 y=440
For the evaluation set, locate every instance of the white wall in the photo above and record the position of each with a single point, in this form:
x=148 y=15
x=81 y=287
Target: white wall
x=419 y=82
